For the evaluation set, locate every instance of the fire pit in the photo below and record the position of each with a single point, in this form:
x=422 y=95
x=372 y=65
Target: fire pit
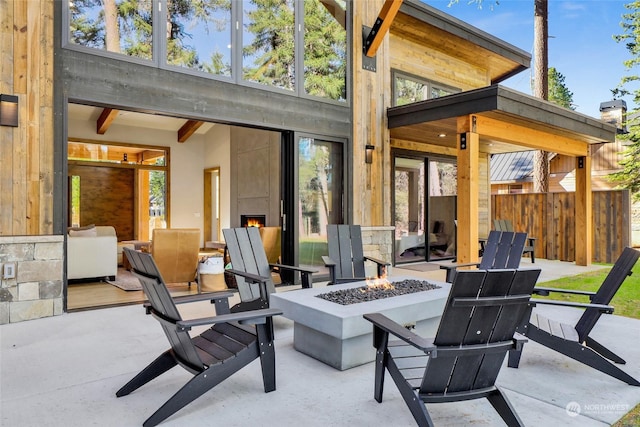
x=375 y=291
x=338 y=335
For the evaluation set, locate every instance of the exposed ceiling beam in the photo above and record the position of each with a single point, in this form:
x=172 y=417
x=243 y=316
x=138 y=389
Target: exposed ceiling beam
x=188 y=129
x=381 y=27
x=107 y=117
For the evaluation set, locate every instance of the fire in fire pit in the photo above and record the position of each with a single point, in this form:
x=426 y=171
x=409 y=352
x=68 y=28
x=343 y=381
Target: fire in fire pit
x=377 y=291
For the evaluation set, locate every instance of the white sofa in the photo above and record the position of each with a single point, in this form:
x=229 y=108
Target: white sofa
x=92 y=253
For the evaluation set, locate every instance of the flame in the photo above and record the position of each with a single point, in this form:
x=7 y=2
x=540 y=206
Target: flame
x=380 y=282
x=253 y=223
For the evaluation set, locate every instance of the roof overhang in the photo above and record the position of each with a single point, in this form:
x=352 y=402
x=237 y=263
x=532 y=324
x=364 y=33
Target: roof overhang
x=434 y=29
x=506 y=121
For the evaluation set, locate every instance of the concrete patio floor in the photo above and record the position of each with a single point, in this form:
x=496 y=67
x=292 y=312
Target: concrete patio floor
x=65 y=370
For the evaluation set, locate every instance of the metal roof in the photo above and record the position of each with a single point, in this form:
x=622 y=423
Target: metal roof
x=511 y=167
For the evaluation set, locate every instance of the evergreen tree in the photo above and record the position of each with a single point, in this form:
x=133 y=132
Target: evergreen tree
x=558 y=92
x=629 y=176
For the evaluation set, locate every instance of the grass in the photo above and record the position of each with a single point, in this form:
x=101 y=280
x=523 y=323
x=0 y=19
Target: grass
x=626 y=303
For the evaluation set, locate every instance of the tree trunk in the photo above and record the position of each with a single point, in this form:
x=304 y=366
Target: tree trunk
x=112 y=30
x=541 y=86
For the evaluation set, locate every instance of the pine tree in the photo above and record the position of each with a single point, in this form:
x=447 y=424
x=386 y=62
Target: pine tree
x=558 y=92
x=629 y=176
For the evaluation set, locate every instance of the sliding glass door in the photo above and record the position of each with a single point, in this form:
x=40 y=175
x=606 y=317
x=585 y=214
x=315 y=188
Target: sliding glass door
x=314 y=180
x=424 y=208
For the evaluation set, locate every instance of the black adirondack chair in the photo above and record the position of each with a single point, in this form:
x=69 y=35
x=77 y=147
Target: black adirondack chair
x=463 y=360
x=502 y=249
x=232 y=342
x=252 y=269
x=346 y=258
x=574 y=341
x=507 y=225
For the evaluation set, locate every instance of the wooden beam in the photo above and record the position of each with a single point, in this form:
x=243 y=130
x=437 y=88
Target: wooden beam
x=107 y=117
x=583 y=211
x=468 y=196
x=336 y=11
x=423 y=147
x=188 y=129
x=381 y=27
x=525 y=136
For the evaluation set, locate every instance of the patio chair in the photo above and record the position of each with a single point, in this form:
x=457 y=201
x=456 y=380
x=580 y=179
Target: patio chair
x=463 y=360
x=502 y=249
x=574 y=341
x=506 y=225
x=346 y=259
x=232 y=342
x=252 y=269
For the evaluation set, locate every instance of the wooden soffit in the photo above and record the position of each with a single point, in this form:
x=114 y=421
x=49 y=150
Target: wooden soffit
x=506 y=121
x=436 y=30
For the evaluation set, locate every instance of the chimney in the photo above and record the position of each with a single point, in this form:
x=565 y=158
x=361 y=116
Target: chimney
x=615 y=113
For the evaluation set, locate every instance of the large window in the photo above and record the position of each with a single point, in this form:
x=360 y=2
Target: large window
x=118 y=26
x=295 y=46
x=268 y=55
x=199 y=35
x=325 y=49
x=409 y=89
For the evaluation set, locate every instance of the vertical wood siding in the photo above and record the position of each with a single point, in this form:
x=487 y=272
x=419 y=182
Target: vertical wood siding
x=550 y=218
x=26 y=151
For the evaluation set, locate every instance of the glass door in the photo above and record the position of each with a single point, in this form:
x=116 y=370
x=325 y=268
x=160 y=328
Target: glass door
x=424 y=208
x=320 y=197
x=442 y=202
x=410 y=209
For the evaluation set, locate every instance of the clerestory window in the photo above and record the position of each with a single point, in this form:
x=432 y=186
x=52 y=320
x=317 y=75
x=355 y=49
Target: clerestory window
x=295 y=46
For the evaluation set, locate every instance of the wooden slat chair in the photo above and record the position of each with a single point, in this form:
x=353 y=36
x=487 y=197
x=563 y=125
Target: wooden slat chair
x=463 y=360
x=574 y=341
x=501 y=250
x=507 y=225
x=346 y=259
x=252 y=269
x=232 y=342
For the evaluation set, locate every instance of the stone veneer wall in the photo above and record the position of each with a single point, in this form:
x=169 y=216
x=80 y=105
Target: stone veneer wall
x=37 y=289
x=377 y=242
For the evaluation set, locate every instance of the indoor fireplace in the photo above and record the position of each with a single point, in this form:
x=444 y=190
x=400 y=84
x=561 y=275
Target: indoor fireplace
x=253 y=220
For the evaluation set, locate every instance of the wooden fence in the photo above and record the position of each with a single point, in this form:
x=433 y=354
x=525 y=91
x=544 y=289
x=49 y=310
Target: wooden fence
x=549 y=217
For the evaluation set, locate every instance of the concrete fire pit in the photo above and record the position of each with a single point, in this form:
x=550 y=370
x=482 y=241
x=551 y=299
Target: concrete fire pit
x=338 y=335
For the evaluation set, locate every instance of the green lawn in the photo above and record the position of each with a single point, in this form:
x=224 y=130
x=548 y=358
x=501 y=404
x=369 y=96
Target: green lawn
x=626 y=303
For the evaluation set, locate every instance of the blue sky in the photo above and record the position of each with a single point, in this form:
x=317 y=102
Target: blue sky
x=581 y=44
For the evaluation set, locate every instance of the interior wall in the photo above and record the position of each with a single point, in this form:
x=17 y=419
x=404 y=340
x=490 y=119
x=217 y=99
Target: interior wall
x=107 y=198
x=187 y=161
x=255 y=175
x=218 y=154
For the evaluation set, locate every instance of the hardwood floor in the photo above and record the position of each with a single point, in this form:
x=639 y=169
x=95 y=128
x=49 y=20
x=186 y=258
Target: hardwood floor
x=91 y=295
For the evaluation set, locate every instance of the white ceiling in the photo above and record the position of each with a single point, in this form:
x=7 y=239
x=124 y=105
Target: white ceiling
x=130 y=118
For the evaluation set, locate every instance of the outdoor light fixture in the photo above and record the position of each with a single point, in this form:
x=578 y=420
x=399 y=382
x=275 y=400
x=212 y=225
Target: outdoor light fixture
x=8 y=110
x=368 y=153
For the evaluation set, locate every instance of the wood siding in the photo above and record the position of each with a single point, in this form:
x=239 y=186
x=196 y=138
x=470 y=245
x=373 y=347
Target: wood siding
x=27 y=151
x=107 y=197
x=550 y=219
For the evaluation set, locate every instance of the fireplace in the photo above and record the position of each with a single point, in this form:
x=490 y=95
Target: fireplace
x=253 y=220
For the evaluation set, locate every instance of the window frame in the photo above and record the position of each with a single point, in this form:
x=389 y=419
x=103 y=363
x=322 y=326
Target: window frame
x=160 y=51
x=429 y=84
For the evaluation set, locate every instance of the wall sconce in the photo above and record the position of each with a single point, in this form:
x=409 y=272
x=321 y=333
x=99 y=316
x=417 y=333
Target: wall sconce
x=368 y=153
x=8 y=110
